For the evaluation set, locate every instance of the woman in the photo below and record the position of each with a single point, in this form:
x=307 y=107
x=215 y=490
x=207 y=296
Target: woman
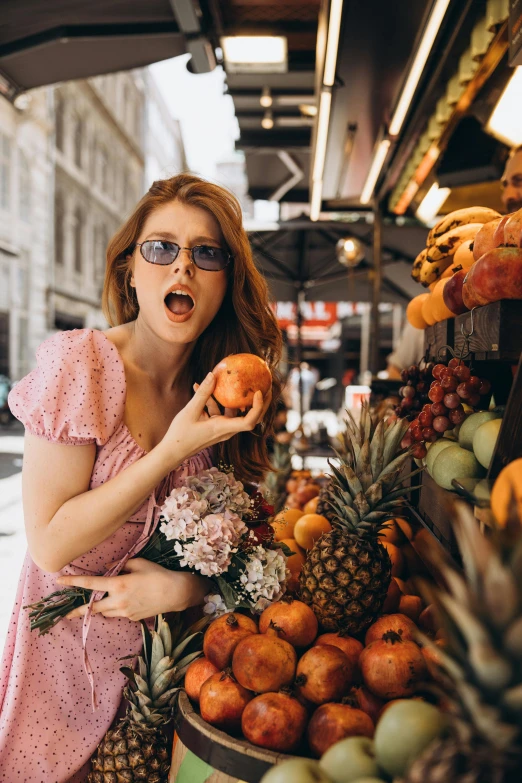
x=111 y=428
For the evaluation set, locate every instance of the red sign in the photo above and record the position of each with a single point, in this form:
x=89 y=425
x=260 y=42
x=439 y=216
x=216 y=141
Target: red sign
x=323 y=314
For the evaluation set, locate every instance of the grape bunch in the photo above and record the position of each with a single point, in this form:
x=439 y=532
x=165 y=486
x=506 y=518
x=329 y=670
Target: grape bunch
x=451 y=386
x=415 y=391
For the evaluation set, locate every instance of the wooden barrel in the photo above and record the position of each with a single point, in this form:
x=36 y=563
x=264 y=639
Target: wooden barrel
x=220 y=758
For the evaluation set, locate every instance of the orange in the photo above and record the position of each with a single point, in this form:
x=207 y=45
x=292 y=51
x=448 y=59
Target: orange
x=308 y=529
x=447 y=273
x=438 y=307
x=396 y=558
x=464 y=256
x=390 y=533
x=427 y=312
x=506 y=489
x=283 y=523
x=311 y=506
x=295 y=562
x=414 y=311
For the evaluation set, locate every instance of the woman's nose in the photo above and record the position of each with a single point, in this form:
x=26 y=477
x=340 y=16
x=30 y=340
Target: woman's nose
x=183 y=262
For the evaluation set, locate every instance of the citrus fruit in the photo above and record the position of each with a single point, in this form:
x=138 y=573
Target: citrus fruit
x=309 y=528
x=283 y=523
x=506 y=489
x=414 y=311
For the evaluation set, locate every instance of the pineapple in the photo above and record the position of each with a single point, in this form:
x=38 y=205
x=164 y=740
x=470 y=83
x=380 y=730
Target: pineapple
x=136 y=748
x=275 y=481
x=347 y=572
x=481 y=666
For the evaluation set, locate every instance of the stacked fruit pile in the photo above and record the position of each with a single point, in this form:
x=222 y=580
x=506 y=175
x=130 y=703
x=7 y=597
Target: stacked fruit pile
x=473 y=257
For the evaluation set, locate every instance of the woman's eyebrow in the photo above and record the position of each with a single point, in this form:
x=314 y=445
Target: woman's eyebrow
x=173 y=238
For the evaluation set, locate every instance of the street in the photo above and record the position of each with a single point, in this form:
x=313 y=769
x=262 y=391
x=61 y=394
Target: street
x=12 y=535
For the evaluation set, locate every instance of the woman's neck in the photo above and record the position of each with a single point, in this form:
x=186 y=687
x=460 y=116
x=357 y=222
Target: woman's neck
x=164 y=364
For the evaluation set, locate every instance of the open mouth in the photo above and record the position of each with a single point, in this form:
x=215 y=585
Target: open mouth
x=179 y=302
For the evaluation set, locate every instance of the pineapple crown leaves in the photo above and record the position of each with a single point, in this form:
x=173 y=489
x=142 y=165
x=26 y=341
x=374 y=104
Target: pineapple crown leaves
x=151 y=690
x=481 y=614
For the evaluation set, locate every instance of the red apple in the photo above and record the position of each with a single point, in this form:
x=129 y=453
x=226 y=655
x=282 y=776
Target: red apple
x=452 y=293
x=238 y=377
x=496 y=275
x=486 y=238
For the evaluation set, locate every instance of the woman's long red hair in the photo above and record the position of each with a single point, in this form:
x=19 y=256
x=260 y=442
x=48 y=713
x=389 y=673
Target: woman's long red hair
x=245 y=322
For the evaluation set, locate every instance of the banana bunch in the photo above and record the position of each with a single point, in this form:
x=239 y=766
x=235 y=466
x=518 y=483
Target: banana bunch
x=444 y=240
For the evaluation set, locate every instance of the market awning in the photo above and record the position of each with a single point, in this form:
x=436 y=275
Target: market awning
x=52 y=41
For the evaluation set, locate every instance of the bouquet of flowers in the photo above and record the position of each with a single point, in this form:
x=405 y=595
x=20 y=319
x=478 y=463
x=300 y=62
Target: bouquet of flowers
x=211 y=526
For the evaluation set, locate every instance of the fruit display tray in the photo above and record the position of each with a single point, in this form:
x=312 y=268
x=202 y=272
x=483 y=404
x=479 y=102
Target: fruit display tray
x=433 y=508
x=437 y=337
x=496 y=331
x=231 y=758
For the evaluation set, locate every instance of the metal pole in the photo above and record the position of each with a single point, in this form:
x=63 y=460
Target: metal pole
x=299 y=349
x=377 y=285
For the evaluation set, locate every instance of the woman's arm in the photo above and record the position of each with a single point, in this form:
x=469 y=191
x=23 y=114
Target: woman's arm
x=64 y=519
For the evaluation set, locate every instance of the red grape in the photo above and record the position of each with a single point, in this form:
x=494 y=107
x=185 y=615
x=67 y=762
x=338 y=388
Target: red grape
x=414 y=423
x=406 y=404
x=426 y=418
x=417 y=404
x=406 y=441
x=416 y=433
x=449 y=383
x=421 y=386
x=436 y=394
x=441 y=424
x=452 y=400
x=429 y=435
x=474 y=400
x=437 y=370
x=438 y=409
x=408 y=392
x=404 y=376
x=457 y=415
x=465 y=391
x=462 y=372
x=413 y=371
x=454 y=363
x=475 y=382
x=419 y=451
x=485 y=387
x=445 y=372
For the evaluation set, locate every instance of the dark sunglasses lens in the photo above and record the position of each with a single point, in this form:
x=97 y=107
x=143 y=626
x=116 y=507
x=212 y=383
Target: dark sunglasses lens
x=157 y=252
x=212 y=259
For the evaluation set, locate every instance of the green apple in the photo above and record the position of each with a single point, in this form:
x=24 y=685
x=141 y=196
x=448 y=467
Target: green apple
x=471 y=425
x=296 y=771
x=349 y=759
x=404 y=731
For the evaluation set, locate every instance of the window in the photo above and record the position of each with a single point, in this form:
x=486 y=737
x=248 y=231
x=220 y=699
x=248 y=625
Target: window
x=78 y=240
x=60 y=123
x=25 y=189
x=5 y=171
x=78 y=142
x=59 y=229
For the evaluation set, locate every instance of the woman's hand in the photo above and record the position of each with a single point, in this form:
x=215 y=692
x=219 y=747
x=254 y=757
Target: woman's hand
x=144 y=590
x=200 y=423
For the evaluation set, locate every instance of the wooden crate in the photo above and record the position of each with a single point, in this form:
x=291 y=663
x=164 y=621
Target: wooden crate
x=433 y=508
x=437 y=337
x=497 y=331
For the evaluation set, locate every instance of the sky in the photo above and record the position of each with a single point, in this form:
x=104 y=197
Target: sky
x=208 y=123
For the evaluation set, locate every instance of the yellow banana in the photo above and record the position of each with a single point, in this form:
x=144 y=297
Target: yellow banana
x=417 y=265
x=461 y=217
x=433 y=271
x=448 y=243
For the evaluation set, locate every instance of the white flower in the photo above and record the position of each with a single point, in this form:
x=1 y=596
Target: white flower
x=215 y=605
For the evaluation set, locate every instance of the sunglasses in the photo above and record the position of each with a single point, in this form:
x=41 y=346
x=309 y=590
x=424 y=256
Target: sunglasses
x=211 y=259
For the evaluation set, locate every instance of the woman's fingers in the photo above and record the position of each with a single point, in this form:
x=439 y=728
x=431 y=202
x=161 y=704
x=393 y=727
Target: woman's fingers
x=199 y=401
x=98 y=607
x=98 y=583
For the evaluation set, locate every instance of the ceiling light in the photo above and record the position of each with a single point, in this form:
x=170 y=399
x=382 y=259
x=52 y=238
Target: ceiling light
x=505 y=122
x=268 y=120
x=349 y=252
x=334 y=29
x=322 y=134
x=316 y=200
x=266 y=98
x=375 y=170
x=408 y=91
x=431 y=203
x=255 y=53
x=308 y=109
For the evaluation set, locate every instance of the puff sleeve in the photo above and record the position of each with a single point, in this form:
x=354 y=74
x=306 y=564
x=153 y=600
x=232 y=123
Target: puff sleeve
x=76 y=394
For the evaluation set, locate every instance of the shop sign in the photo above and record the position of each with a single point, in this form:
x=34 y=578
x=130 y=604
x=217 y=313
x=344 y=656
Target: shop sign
x=515 y=33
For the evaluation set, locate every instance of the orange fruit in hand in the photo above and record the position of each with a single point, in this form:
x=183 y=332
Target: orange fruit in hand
x=283 y=523
x=414 y=312
x=309 y=528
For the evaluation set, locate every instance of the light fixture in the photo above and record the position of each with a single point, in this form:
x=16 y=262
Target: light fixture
x=375 y=169
x=316 y=200
x=255 y=53
x=268 y=120
x=323 y=121
x=308 y=109
x=266 y=98
x=349 y=252
x=334 y=29
x=505 y=122
x=431 y=203
x=421 y=56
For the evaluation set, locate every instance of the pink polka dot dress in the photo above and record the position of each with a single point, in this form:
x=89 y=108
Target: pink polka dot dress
x=48 y=729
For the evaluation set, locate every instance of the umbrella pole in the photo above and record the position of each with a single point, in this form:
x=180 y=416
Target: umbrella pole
x=377 y=285
x=299 y=350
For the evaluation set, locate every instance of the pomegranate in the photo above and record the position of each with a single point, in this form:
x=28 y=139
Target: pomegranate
x=361 y=698
x=306 y=492
x=276 y=721
x=222 y=701
x=399 y=623
x=333 y=722
x=291 y=485
x=429 y=619
x=513 y=229
x=432 y=659
x=292 y=501
x=197 y=673
x=496 y=275
x=223 y=635
x=294 y=620
x=264 y=662
x=393 y=597
x=238 y=377
x=411 y=606
x=452 y=293
x=391 y=667
x=488 y=238
x=324 y=674
x=350 y=646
